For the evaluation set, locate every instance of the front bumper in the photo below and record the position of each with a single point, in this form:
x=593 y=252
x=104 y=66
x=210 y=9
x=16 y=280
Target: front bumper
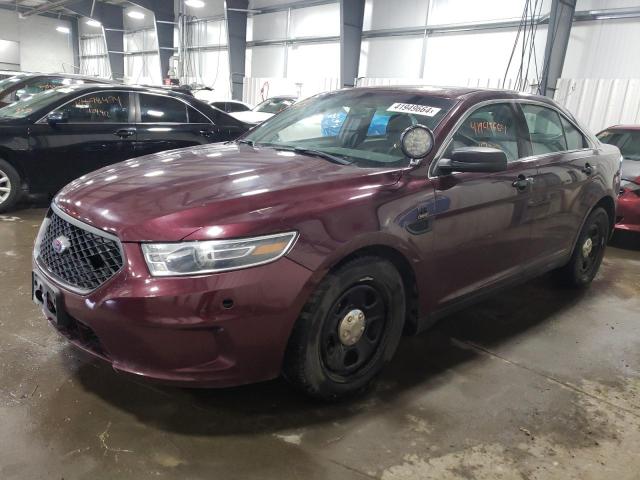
x=628 y=212
x=184 y=330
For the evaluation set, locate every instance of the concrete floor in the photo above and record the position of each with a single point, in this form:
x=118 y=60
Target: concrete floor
x=536 y=383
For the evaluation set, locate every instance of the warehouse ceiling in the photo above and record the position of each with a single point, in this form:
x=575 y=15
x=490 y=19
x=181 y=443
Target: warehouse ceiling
x=30 y=7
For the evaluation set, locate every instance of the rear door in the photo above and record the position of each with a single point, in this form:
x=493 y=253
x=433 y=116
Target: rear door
x=97 y=130
x=482 y=231
x=560 y=197
x=165 y=123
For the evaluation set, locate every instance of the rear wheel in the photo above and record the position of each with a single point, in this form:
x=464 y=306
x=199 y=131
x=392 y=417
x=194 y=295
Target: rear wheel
x=10 y=186
x=588 y=252
x=348 y=330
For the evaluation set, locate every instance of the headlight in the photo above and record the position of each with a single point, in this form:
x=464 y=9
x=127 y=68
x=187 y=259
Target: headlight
x=193 y=258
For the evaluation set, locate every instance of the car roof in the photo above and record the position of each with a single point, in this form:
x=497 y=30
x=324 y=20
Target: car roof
x=281 y=97
x=623 y=127
x=65 y=75
x=134 y=88
x=459 y=93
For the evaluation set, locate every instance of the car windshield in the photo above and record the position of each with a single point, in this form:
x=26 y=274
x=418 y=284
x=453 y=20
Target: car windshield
x=274 y=105
x=24 y=108
x=627 y=141
x=360 y=127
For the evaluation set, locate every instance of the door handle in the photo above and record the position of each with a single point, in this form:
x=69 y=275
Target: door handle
x=522 y=182
x=587 y=169
x=125 y=132
x=206 y=133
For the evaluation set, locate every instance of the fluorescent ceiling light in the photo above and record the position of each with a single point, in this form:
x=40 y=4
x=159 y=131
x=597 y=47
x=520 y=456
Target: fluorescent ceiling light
x=62 y=29
x=194 y=3
x=136 y=14
x=93 y=23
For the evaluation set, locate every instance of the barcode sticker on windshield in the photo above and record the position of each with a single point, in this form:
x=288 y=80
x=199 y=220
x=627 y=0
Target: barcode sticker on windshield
x=413 y=108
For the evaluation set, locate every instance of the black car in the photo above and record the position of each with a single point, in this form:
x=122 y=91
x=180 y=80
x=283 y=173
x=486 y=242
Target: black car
x=25 y=84
x=230 y=106
x=58 y=135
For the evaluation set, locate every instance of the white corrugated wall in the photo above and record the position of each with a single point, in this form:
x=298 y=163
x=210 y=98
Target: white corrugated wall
x=601 y=102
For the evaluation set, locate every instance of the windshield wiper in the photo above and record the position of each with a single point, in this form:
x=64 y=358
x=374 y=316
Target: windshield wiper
x=317 y=153
x=251 y=143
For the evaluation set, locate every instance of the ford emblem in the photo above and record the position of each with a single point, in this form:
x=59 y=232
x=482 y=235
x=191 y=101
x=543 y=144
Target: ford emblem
x=61 y=244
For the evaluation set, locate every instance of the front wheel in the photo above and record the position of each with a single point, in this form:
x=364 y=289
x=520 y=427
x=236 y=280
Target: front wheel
x=348 y=330
x=588 y=252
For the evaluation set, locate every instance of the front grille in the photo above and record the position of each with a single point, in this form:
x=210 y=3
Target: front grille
x=88 y=260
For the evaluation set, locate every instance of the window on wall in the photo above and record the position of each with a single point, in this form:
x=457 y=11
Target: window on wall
x=94 y=59
x=142 y=63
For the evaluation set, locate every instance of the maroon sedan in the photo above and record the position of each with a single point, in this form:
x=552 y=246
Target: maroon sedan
x=308 y=251
x=627 y=139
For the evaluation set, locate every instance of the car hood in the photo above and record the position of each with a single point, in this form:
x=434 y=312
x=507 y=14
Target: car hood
x=630 y=169
x=213 y=191
x=251 y=116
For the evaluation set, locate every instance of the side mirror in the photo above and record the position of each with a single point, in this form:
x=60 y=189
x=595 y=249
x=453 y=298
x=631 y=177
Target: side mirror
x=474 y=159
x=416 y=142
x=56 y=117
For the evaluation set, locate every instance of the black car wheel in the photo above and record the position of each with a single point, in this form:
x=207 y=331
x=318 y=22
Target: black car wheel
x=348 y=330
x=588 y=252
x=10 y=186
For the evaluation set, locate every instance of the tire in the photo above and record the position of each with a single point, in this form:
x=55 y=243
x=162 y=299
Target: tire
x=327 y=366
x=9 y=179
x=588 y=252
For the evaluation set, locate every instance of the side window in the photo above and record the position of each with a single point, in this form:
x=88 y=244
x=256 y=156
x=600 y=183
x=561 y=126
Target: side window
x=196 y=117
x=493 y=126
x=161 y=109
x=101 y=107
x=575 y=139
x=545 y=129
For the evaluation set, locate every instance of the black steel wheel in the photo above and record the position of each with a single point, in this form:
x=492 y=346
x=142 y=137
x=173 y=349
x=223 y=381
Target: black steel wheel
x=588 y=251
x=354 y=329
x=349 y=329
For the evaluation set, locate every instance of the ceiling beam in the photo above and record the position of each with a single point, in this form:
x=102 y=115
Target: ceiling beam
x=46 y=7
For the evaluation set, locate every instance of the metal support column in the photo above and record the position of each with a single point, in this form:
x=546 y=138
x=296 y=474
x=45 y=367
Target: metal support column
x=236 y=14
x=110 y=16
x=560 y=21
x=75 y=45
x=351 y=20
x=165 y=22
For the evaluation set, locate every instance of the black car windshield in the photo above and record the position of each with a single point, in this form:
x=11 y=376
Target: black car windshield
x=361 y=127
x=627 y=141
x=24 y=108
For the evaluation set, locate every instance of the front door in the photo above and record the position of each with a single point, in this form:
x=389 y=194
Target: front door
x=94 y=130
x=482 y=229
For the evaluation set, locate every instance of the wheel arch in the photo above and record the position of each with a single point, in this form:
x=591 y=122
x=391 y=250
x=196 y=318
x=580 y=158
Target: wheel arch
x=609 y=206
x=8 y=156
x=406 y=270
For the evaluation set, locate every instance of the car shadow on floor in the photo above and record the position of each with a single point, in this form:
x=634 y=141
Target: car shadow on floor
x=420 y=363
x=625 y=240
